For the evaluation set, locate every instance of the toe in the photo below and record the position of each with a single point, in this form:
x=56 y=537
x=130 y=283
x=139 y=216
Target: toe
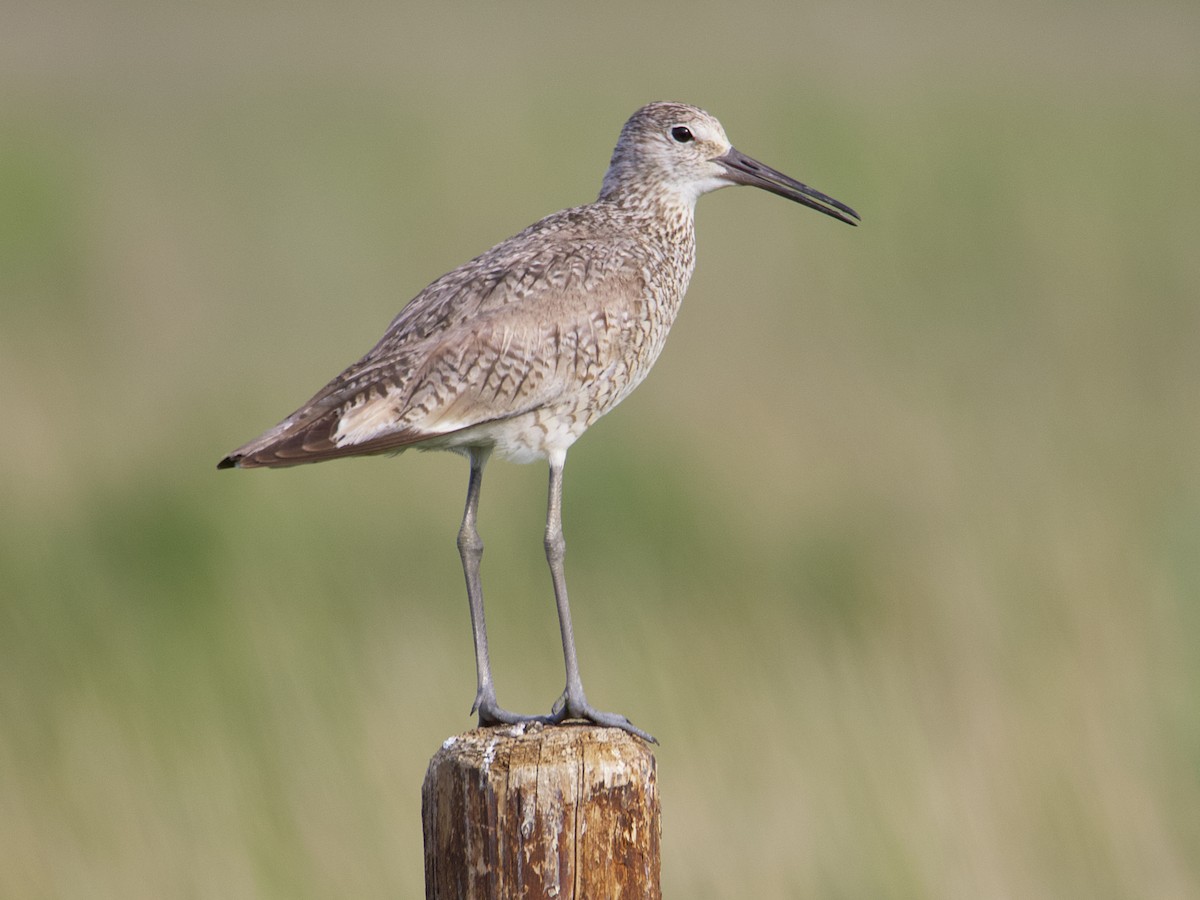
x=585 y=713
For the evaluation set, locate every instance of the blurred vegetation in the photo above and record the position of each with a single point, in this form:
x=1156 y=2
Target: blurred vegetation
x=896 y=552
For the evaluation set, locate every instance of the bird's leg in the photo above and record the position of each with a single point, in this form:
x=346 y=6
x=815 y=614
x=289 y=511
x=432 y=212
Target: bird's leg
x=470 y=548
x=573 y=703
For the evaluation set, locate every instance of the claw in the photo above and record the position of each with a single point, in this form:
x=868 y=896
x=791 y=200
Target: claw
x=564 y=710
x=491 y=713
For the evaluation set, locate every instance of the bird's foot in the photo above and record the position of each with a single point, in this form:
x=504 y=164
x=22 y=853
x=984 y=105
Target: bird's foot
x=491 y=713
x=578 y=709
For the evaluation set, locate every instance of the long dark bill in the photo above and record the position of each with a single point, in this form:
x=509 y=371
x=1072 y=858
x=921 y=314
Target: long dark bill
x=744 y=170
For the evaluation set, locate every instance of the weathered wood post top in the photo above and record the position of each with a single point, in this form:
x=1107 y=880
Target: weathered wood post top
x=532 y=812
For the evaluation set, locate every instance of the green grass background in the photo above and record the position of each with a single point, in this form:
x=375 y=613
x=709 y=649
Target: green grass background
x=897 y=551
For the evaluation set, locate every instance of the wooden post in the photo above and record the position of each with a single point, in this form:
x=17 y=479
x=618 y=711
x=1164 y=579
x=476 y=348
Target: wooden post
x=531 y=812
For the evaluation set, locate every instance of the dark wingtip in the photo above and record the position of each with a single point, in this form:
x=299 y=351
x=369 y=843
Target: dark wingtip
x=228 y=462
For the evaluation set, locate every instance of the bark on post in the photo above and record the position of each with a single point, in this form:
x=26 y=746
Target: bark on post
x=563 y=813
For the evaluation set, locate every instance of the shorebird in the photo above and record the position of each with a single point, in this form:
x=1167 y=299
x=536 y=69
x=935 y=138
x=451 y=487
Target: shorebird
x=520 y=350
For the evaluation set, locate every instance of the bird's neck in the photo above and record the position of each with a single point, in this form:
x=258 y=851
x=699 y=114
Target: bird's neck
x=668 y=237
x=661 y=215
x=634 y=190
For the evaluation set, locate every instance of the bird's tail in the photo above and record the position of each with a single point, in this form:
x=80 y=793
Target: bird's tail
x=298 y=440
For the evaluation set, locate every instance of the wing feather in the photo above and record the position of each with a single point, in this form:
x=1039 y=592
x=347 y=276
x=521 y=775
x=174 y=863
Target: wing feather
x=507 y=333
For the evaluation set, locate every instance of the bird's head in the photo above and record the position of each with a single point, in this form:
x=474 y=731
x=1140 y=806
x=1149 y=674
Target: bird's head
x=680 y=151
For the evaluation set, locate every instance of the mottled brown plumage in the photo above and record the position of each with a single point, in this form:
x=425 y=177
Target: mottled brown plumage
x=532 y=342
x=523 y=348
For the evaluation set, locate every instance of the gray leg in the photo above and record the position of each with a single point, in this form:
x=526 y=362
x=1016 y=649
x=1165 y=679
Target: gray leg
x=470 y=548
x=573 y=703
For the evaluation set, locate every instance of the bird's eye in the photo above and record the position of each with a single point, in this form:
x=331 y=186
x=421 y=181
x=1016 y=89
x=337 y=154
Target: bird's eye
x=681 y=134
